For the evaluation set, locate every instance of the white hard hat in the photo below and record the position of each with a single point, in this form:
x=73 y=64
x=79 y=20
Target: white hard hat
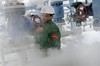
x=47 y=9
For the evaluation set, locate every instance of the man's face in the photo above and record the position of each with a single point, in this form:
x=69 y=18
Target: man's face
x=45 y=17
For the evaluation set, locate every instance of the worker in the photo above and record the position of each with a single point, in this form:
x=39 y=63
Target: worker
x=48 y=35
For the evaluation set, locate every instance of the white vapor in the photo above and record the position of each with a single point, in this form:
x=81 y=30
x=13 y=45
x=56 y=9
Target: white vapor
x=77 y=50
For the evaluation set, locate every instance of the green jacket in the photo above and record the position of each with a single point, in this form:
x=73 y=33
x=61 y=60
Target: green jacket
x=49 y=37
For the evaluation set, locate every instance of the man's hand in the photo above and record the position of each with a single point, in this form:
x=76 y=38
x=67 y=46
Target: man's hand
x=39 y=29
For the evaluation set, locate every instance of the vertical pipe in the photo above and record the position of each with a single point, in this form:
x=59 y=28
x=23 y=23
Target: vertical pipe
x=73 y=23
x=59 y=12
x=86 y=1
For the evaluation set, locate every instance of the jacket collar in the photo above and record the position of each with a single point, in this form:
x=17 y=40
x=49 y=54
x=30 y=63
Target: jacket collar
x=49 y=20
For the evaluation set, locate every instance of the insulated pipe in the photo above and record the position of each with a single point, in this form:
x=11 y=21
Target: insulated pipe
x=73 y=23
x=59 y=12
x=96 y=13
